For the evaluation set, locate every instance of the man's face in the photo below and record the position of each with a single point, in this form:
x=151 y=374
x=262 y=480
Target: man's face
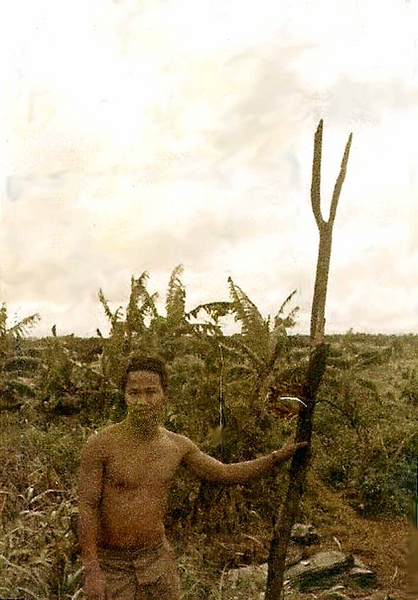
x=144 y=396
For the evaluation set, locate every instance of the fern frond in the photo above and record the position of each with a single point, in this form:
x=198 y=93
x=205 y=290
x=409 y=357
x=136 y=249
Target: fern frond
x=280 y=345
x=21 y=328
x=253 y=326
x=239 y=348
x=142 y=280
x=286 y=302
x=210 y=329
x=243 y=369
x=118 y=316
x=176 y=297
x=141 y=304
x=140 y=292
x=105 y=305
x=288 y=321
x=215 y=310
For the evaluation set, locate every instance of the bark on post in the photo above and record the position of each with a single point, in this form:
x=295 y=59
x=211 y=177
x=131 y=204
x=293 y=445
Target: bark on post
x=325 y=234
x=314 y=374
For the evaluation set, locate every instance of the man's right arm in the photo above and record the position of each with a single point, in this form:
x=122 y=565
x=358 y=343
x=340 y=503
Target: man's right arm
x=90 y=481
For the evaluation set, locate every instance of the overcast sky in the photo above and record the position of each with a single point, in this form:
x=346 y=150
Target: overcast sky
x=141 y=134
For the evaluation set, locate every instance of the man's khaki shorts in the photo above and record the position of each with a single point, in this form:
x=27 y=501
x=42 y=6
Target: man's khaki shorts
x=148 y=573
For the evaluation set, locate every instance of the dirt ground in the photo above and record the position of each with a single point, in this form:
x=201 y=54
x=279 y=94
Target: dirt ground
x=381 y=544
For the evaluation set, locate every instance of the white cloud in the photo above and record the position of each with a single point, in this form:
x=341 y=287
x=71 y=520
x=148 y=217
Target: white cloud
x=141 y=135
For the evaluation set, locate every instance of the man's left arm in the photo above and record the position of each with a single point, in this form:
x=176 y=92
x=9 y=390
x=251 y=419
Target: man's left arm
x=206 y=467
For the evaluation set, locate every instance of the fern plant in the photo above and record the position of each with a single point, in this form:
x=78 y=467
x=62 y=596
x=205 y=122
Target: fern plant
x=262 y=347
x=10 y=336
x=183 y=332
x=14 y=366
x=175 y=303
x=129 y=329
x=141 y=310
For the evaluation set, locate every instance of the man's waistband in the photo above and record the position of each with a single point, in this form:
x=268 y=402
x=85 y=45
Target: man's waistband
x=132 y=552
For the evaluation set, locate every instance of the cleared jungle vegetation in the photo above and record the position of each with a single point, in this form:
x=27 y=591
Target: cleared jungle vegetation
x=223 y=393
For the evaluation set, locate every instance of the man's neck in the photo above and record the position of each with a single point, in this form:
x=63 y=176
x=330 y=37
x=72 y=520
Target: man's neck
x=141 y=430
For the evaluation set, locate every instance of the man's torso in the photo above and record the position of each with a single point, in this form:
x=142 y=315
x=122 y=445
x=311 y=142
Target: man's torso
x=135 y=486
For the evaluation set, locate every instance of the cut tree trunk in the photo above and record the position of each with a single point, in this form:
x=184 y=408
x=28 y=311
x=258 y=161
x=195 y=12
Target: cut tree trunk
x=315 y=371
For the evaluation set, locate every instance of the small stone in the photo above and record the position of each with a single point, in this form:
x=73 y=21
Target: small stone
x=335 y=594
x=320 y=571
x=360 y=575
x=257 y=574
x=304 y=535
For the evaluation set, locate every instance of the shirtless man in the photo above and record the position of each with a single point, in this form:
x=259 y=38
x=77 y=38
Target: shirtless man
x=124 y=479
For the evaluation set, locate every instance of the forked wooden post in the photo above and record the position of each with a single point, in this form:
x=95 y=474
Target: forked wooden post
x=325 y=234
x=314 y=374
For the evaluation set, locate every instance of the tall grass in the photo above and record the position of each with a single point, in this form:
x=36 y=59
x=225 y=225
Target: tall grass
x=38 y=556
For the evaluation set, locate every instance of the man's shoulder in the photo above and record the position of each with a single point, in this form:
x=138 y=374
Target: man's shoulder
x=181 y=441
x=100 y=439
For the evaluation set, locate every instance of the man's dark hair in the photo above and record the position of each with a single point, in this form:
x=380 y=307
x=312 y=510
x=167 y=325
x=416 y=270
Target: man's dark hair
x=144 y=362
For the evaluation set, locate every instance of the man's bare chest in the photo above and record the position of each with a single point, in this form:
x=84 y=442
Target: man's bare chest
x=133 y=467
